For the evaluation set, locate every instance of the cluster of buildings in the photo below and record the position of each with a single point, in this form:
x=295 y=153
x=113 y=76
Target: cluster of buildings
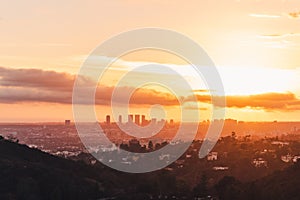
x=290 y=158
x=137 y=119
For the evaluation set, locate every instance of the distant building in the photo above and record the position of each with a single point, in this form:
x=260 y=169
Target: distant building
x=188 y=155
x=287 y=158
x=144 y=120
x=67 y=122
x=290 y=158
x=162 y=121
x=153 y=120
x=164 y=157
x=137 y=119
x=296 y=159
x=107 y=119
x=171 y=122
x=130 y=118
x=212 y=156
x=260 y=162
x=279 y=143
x=231 y=121
x=220 y=168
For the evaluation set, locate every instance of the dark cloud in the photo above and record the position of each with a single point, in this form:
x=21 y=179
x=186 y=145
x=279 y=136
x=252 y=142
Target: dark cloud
x=18 y=94
x=35 y=85
x=267 y=101
x=35 y=78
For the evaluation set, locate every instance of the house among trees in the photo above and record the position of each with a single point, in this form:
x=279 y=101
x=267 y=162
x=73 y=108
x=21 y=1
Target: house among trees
x=260 y=162
x=287 y=158
x=290 y=158
x=212 y=156
x=296 y=159
x=220 y=168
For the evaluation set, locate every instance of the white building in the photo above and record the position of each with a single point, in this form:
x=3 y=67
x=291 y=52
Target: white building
x=296 y=158
x=220 y=168
x=287 y=158
x=260 y=162
x=212 y=156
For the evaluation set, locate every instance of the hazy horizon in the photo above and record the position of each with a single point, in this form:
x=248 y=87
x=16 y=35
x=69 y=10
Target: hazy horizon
x=254 y=45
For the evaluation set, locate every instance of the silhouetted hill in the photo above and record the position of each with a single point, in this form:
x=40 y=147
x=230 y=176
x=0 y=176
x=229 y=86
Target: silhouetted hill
x=27 y=173
x=280 y=185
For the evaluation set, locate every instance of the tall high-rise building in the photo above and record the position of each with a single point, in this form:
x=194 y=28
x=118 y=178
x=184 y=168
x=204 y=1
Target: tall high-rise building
x=137 y=119
x=171 y=122
x=130 y=118
x=154 y=120
x=107 y=119
x=143 y=120
x=120 y=119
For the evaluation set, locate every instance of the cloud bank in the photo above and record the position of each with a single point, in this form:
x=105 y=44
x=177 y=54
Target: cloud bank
x=266 y=101
x=35 y=85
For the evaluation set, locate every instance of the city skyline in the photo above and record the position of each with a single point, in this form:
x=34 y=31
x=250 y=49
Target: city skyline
x=254 y=45
x=138 y=119
x=149 y=100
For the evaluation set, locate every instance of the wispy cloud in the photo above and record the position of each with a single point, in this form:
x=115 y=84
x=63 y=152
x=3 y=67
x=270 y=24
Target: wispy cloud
x=194 y=107
x=291 y=15
x=294 y=15
x=201 y=91
x=274 y=36
x=261 y=15
x=55 y=44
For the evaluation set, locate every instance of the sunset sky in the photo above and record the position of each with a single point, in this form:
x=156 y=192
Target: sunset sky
x=255 y=45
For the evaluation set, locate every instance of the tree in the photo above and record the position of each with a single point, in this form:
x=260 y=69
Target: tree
x=201 y=188
x=150 y=145
x=228 y=188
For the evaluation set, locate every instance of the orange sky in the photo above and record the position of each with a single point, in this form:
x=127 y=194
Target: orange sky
x=254 y=44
